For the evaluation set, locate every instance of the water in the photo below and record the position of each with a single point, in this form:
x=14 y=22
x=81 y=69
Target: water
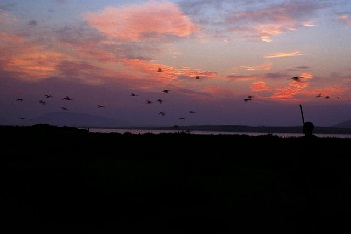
x=154 y=131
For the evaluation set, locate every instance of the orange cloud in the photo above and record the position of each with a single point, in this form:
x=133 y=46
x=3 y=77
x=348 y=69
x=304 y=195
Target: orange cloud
x=34 y=64
x=162 y=72
x=145 y=21
x=279 y=55
x=10 y=37
x=344 y=18
x=306 y=75
x=289 y=92
x=267 y=31
x=259 y=86
x=307 y=24
x=264 y=67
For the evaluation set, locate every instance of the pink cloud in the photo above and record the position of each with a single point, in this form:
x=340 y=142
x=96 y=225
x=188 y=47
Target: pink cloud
x=345 y=18
x=284 y=54
x=259 y=86
x=164 y=72
x=28 y=60
x=290 y=91
x=10 y=37
x=145 y=21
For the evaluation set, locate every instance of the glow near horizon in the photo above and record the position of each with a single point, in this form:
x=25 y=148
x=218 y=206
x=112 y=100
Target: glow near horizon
x=234 y=48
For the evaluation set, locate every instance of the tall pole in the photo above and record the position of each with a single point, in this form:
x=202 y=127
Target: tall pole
x=303 y=119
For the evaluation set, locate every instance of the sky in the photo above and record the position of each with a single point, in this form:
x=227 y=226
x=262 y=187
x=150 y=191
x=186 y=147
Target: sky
x=227 y=62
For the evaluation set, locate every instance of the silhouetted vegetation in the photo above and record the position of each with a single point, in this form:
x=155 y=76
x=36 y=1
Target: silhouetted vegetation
x=72 y=179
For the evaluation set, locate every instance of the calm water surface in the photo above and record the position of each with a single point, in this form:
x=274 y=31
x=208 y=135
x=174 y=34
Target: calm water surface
x=143 y=131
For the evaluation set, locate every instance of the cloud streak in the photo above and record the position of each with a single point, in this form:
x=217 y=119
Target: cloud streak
x=284 y=54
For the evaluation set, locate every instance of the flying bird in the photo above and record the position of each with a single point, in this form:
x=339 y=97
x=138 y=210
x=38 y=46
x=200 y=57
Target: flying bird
x=319 y=95
x=159 y=69
x=182 y=118
x=166 y=90
x=48 y=96
x=64 y=108
x=148 y=101
x=19 y=99
x=21 y=117
x=42 y=102
x=296 y=78
x=133 y=94
x=162 y=113
x=248 y=98
x=159 y=100
x=101 y=106
x=197 y=77
x=192 y=112
x=67 y=98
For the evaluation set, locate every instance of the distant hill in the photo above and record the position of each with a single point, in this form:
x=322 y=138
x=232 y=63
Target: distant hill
x=76 y=120
x=345 y=124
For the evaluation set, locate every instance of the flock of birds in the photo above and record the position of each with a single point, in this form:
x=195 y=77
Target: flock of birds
x=67 y=98
x=299 y=79
x=47 y=96
x=159 y=100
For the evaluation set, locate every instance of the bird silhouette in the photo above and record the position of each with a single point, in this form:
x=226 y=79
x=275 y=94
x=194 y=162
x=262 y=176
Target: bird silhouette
x=249 y=98
x=64 y=108
x=148 y=101
x=327 y=97
x=67 y=98
x=159 y=69
x=182 y=118
x=19 y=99
x=166 y=90
x=162 y=113
x=197 y=77
x=296 y=78
x=42 y=102
x=192 y=112
x=48 y=96
x=319 y=95
x=133 y=94
x=159 y=100
x=101 y=106
x=21 y=117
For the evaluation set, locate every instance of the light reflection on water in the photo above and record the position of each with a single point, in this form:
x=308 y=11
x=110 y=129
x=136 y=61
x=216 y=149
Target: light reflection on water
x=143 y=131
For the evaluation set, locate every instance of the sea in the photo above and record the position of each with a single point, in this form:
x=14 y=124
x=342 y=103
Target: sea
x=154 y=131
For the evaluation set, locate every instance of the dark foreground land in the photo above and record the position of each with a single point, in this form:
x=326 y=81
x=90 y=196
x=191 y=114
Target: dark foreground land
x=67 y=180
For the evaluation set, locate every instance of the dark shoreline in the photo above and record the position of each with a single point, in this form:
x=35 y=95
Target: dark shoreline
x=56 y=179
x=214 y=128
x=243 y=128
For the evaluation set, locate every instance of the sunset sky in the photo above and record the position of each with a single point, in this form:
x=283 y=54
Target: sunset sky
x=210 y=54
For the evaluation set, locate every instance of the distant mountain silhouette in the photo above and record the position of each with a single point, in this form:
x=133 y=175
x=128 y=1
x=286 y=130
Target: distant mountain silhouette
x=345 y=124
x=76 y=120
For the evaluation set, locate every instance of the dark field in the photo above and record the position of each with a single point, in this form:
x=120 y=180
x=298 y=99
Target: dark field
x=65 y=180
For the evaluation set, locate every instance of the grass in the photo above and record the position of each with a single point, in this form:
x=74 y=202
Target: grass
x=62 y=180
